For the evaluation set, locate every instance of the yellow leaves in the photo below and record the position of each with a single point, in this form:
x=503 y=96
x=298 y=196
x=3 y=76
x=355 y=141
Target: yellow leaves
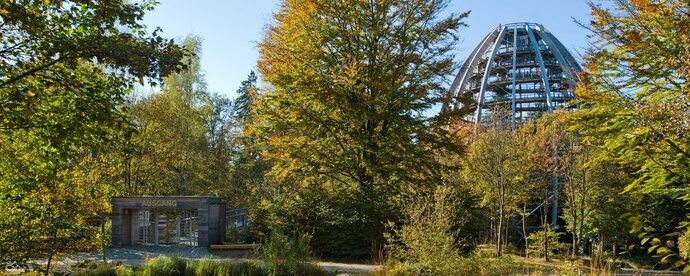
x=4 y=12
x=645 y=5
x=30 y=94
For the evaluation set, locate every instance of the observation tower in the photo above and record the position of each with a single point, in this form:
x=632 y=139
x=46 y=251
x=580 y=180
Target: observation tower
x=520 y=67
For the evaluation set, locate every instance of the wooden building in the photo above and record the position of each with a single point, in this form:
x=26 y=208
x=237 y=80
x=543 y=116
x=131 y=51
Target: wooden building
x=168 y=220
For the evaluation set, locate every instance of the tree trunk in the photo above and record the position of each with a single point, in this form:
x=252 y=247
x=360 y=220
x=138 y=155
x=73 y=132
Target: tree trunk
x=50 y=259
x=576 y=246
x=504 y=233
x=575 y=238
x=103 y=238
x=492 y=231
x=499 y=245
x=524 y=230
x=546 y=242
x=545 y=228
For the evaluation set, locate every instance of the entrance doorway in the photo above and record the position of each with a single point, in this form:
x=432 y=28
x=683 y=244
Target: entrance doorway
x=168 y=227
x=168 y=220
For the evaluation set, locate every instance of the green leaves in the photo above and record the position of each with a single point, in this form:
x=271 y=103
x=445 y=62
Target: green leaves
x=349 y=82
x=636 y=93
x=65 y=68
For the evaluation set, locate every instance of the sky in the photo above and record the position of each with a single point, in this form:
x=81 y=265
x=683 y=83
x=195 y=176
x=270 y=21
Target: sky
x=231 y=29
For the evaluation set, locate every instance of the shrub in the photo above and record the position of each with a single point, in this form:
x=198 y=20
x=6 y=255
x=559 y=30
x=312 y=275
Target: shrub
x=425 y=243
x=537 y=241
x=283 y=255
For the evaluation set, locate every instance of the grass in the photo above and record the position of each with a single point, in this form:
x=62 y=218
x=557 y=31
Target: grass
x=175 y=266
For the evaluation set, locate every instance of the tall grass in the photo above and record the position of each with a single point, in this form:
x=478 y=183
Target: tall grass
x=220 y=267
x=175 y=266
x=106 y=269
x=171 y=266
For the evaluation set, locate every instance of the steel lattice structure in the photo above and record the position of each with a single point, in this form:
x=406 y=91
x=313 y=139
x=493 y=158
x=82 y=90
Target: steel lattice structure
x=521 y=67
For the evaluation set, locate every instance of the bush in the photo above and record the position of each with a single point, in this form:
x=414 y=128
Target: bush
x=536 y=240
x=426 y=244
x=283 y=255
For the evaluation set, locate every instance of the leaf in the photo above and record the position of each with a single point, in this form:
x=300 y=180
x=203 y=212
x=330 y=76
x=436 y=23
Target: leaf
x=652 y=248
x=644 y=240
x=663 y=250
x=679 y=263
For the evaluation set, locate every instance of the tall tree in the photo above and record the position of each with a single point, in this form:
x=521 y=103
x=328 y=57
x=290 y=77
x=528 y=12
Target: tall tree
x=498 y=163
x=246 y=98
x=637 y=88
x=41 y=196
x=350 y=82
x=65 y=67
x=637 y=93
x=589 y=187
x=248 y=166
x=183 y=135
x=544 y=147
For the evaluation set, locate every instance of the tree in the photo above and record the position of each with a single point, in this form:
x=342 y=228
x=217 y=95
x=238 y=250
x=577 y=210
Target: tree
x=41 y=198
x=46 y=40
x=637 y=90
x=65 y=67
x=183 y=137
x=497 y=162
x=343 y=118
x=580 y=191
x=636 y=94
x=426 y=238
x=544 y=151
x=590 y=190
x=248 y=165
x=246 y=98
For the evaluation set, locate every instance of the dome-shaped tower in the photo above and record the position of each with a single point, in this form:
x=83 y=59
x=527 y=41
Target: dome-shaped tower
x=521 y=67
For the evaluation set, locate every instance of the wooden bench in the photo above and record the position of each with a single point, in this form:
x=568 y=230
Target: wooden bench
x=250 y=246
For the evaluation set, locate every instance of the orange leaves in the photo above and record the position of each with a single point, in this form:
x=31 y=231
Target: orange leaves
x=602 y=17
x=645 y=5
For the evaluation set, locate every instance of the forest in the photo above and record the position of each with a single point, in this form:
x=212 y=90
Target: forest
x=333 y=141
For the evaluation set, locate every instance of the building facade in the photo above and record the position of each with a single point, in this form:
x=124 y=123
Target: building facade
x=168 y=220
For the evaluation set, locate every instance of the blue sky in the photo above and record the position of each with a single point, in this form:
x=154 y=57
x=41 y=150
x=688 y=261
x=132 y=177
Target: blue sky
x=230 y=29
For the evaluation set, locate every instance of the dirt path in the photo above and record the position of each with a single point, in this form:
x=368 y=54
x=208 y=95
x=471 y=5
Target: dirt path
x=351 y=268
